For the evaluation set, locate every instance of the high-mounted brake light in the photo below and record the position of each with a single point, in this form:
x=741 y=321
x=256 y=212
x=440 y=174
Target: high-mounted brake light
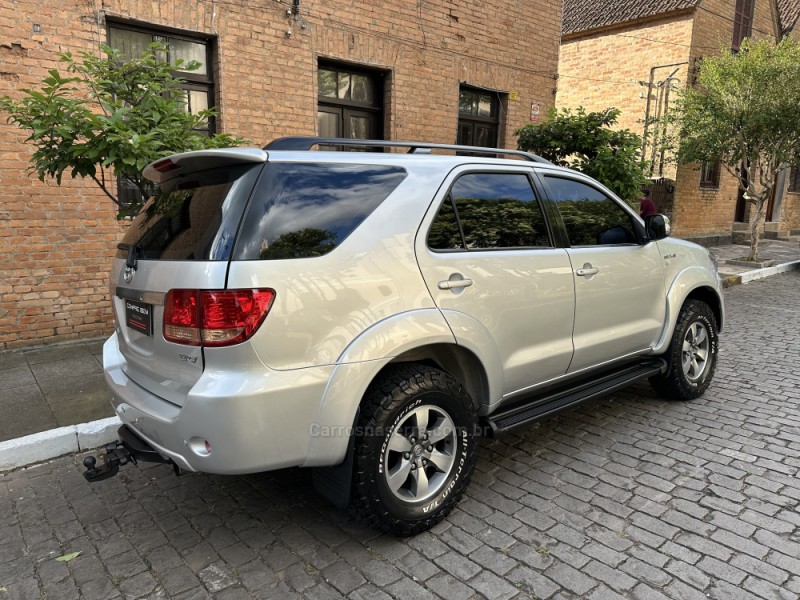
x=214 y=317
x=165 y=166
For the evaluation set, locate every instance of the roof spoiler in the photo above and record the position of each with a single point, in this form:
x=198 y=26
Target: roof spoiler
x=178 y=165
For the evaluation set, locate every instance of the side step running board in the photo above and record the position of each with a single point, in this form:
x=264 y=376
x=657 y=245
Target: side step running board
x=541 y=407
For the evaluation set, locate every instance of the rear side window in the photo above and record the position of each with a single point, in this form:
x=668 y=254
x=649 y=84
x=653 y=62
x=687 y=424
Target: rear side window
x=194 y=218
x=304 y=210
x=489 y=211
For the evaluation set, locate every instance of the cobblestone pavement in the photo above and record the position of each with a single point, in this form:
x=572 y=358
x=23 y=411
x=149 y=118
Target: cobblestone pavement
x=629 y=497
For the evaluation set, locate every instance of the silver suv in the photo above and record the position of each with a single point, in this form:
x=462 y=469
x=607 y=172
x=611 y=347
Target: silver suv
x=371 y=314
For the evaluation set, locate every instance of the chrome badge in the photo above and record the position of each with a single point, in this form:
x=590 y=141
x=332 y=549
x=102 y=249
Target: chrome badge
x=128 y=274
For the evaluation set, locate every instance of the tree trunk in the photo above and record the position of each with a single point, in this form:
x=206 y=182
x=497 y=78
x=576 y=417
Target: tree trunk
x=755 y=228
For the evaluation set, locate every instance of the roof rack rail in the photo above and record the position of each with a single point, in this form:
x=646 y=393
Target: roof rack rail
x=307 y=142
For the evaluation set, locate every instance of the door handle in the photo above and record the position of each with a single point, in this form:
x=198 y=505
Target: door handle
x=451 y=284
x=587 y=271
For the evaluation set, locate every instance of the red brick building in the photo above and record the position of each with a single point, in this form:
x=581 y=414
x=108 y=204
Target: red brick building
x=634 y=55
x=439 y=71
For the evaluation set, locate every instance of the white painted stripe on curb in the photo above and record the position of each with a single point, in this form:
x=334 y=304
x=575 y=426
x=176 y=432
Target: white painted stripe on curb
x=39 y=447
x=756 y=274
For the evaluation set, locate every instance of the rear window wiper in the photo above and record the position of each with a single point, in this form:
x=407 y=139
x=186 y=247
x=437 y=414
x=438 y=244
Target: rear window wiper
x=130 y=259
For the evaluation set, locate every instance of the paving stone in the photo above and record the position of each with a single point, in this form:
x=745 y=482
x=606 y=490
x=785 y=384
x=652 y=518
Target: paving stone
x=492 y=586
x=457 y=565
x=721 y=570
x=450 y=588
x=570 y=579
x=343 y=577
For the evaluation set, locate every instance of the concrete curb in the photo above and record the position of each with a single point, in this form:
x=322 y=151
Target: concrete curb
x=729 y=280
x=43 y=446
x=755 y=274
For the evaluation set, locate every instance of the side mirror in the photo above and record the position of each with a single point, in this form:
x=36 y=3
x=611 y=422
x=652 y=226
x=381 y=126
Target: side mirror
x=656 y=227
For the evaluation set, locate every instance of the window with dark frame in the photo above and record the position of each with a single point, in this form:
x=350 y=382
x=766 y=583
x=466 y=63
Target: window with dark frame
x=350 y=102
x=742 y=22
x=709 y=174
x=197 y=87
x=489 y=211
x=478 y=117
x=590 y=217
x=794 y=179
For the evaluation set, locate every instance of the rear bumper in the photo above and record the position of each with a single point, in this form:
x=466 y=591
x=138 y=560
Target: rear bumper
x=252 y=421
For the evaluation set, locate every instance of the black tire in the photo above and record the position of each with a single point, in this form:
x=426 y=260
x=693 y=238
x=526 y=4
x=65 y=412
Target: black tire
x=403 y=397
x=678 y=383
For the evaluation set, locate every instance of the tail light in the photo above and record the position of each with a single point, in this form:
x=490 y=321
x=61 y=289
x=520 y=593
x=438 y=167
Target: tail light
x=214 y=317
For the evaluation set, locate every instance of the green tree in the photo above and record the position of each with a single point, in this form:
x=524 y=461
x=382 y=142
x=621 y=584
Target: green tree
x=587 y=143
x=744 y=112
x=109 y=114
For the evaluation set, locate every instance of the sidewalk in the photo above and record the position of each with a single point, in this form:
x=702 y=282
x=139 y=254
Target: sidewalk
x=782 y=251
x=62 y=385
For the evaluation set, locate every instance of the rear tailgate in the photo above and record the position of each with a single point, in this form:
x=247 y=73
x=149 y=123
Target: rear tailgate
x=183 y=240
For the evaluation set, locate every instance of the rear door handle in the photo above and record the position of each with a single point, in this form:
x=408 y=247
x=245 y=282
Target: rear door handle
x=451 y=284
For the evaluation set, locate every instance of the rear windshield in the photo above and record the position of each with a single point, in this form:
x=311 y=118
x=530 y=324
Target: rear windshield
x=303 y=210
x=194 y=218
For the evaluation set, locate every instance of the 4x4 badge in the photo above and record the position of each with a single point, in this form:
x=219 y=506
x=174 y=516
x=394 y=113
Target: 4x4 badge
x=128 y=275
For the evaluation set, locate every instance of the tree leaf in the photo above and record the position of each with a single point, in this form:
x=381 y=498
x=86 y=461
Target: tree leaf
x=68 y=557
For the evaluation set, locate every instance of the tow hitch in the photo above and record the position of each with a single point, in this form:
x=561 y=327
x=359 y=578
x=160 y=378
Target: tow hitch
x=129 y=449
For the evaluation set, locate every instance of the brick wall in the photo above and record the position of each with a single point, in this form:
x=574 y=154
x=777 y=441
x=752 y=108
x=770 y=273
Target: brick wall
x=56 y=244
x=606 y=69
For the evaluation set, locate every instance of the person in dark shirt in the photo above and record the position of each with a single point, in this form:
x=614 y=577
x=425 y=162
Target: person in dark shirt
x=647 y=207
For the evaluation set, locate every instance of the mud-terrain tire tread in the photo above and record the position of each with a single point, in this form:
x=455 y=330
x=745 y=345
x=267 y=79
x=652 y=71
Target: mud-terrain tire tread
x=673 y=384
x=397 y=386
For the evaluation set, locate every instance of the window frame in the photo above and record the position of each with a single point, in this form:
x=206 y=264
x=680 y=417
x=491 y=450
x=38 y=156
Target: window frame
x=447 y=197
x=474 y=119
x=743 y=14
x=710 y=175
x=341 y=107
x=192 y=80
x=793 y=184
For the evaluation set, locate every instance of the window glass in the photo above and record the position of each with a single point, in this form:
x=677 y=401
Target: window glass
x=188 y=51
x=305 y=210
x=485 y=105
x=196 y=217
x=326 y=81
x=362 y=89
x=794 y=179
x=344 y=86
x=709 y=174
x=444 y=233
x=590 y=217
x=495 y=210
x=131 y=44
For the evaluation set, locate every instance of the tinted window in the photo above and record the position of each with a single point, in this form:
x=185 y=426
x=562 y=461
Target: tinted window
x=192 y=218
x=590 y=217
x=305 y=210
x=495 y=210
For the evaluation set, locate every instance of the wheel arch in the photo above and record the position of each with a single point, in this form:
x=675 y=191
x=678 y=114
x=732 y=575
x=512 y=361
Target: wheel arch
x=692 y=283
x=455 y=360
x=422 y=336
x=709 y=296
